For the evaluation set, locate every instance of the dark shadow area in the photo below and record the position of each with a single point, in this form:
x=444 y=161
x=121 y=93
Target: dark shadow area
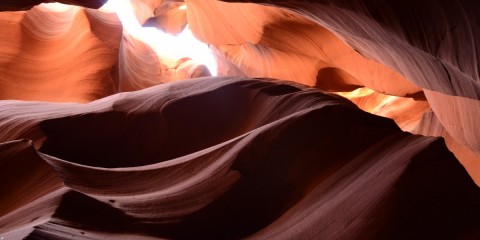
x=180 y=127
x=278 y=168
x=80 y=214
x=435 y=198
x=335 y=79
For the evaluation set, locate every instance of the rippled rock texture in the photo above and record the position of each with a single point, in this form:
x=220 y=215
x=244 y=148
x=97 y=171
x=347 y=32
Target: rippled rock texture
x=425 y=50
x=372 y=133
x=60 y=55
x=228 y=158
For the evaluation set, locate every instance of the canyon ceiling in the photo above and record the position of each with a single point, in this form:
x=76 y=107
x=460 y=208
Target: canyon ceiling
x=330 y=119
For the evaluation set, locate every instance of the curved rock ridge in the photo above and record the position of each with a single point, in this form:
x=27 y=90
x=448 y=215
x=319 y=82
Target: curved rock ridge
x=406 y=112
x=395 y=48
x=235 y=158
x=62 y=53
x=421 y=45
x=145 y=9
x=59 y=55
x=263 y=41
x=170 y=17
x=227 y=158
x=140 y=65
x=429 y=125
x=156 y=48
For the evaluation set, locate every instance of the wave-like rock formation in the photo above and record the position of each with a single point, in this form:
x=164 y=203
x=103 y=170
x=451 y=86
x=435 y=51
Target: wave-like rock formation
x=223 y=158
x=170 y=17
x=405 y=49
x=140 y=66
x=71 y=62
x=406 y=112
x=263 y=41
x=148 y=58
x=372 y=133
x=63 y=53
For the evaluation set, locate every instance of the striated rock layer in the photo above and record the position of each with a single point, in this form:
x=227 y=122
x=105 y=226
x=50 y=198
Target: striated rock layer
x=226 y=158
x=400 y=48
x=58 y=53
x=62 y=53
x=235 y=158
x=263 y=41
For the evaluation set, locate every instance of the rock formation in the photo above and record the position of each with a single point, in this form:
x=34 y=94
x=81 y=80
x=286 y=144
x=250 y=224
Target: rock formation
x=72 y=61
x=328 y=120
x=396 y=48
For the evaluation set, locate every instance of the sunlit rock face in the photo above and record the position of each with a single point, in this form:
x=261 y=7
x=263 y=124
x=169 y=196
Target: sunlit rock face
x=150 y=53
x=72 y=61
x=266 y=41
x=395 y=48
x=330 y=119
x=170 y=17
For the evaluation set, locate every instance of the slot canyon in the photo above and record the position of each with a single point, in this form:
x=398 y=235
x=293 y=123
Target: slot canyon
x=209 y=119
